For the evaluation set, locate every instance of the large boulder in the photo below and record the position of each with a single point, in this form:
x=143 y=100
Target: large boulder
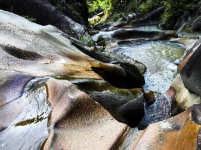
x=44 y=13
x=75 y=9
x=179 y=132
x=190 y=73
x=152 y=18
x=143 y=35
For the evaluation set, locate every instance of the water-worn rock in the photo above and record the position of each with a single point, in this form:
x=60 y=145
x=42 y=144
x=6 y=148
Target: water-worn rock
x=190 y=22
x=40 y=112
x=125 y=105
x=75 y=9
x=180 y=132
x=190 y=73
x=45 y=14
x=152 y=18
x=143 y=35
x=182 y=98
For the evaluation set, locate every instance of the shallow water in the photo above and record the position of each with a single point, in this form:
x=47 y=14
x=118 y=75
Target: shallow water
x=30 y=128
x=157 y=57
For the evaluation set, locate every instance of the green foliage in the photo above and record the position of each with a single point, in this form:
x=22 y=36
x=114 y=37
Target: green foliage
x=97 y=6
x=150 y=5
x=173 y=10
x=30 y=18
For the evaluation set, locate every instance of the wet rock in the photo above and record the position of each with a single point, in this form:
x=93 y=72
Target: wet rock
x=45 y=14
x=143 y=35
x=152 y=18
x=182 y=21
x=179 y=132
x=158 y=111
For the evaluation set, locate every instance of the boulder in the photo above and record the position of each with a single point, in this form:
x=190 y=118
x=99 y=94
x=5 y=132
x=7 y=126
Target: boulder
x=190 y=73
x=45 y=14
x=179 y=132
x=125 y=105
x=152 y=18
x=76 y=10
x=143 y=35
x=182 y=98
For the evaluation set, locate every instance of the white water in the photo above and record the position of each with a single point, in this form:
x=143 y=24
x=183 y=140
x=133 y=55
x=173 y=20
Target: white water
x=157 y=57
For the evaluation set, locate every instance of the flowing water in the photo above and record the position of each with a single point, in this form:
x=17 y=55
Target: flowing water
x=157 y=56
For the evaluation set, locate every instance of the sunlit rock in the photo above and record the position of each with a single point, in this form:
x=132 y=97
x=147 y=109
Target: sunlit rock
x=180 y=132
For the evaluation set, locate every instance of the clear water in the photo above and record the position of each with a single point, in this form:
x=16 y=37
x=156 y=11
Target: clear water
x=157 y=57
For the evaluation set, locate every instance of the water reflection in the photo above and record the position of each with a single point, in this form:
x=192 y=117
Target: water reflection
x=29 y=129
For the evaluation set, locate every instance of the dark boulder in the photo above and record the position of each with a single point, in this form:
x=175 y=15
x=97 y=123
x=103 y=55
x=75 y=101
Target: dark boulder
x=191 y=73
x=143 y=35
x=152 y=18
x=75 y=9
x=196 y=25
x=45 y=14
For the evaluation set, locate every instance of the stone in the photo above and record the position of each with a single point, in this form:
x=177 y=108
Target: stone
x=179 y=132
x=152 y=18
x=45 y=14
x=190 y=73
x=143 y=35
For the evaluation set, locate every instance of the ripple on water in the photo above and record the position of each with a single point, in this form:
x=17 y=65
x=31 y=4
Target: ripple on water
x=157 y=57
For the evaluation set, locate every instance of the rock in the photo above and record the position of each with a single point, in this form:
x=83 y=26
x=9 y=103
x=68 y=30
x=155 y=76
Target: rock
x=182 y=21
x=45 y=14
x=158 y=111
x=196 y=24
x=119 y=24
x=182 y=98
x=179 y=132
x=190 y=22
x=143 y=35
x=152 y=18
x=124 y=105
x=92 y=31
x=191 y=73
x=77 y=11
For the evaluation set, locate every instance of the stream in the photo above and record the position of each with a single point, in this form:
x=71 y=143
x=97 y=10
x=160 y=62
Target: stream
x=157 y=56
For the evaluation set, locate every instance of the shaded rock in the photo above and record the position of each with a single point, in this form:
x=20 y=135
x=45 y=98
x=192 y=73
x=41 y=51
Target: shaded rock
x=107 y=25
x=152 y=18
x=76 y=10
x=191 y=73
x=45 y=14
x=124 y=105
x=129 y=138
x=143 y=35
x=182 y=99
x=196 y=24
x=182 y=21
x=92 y=31
x=179 y=132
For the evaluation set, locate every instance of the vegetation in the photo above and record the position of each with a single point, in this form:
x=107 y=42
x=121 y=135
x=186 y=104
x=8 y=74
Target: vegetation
x=173 y=10
x=97 y=6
